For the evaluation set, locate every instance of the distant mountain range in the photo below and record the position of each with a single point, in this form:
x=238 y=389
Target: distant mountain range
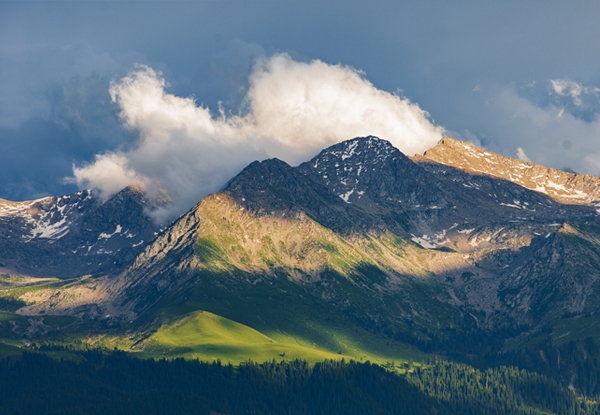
x=361 y=252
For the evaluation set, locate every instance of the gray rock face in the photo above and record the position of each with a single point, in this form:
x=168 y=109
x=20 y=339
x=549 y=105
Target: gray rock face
x=530 y=231
x=74 y=235
x=274 y=187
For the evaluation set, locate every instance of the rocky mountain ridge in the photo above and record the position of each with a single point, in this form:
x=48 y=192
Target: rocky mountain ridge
x=74 y=235
x=564 y=187
x=427 y=201
x=414 y=248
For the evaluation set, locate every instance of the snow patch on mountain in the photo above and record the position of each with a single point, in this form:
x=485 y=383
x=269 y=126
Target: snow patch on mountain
x=345 y=196
x=431 y=241
x=46 y=230
x=107 y=236
x=72 y=225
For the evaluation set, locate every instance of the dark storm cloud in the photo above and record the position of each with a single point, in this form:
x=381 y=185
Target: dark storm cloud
x=224 y=77
x=39 y=152
x=466 y=63
x=28 y=152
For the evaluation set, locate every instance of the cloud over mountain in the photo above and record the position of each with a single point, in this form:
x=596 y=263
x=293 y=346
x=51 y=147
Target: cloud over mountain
x=291 y=111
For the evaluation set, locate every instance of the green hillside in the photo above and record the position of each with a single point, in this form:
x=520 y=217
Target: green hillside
x=206 y=336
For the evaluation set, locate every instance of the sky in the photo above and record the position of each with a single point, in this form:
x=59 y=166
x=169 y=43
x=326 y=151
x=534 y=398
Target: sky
x=179 y=96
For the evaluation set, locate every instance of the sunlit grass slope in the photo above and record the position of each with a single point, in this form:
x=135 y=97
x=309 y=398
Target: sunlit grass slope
x=208 y=337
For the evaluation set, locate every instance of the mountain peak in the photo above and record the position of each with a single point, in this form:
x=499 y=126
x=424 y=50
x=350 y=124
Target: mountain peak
x=564 y=187
x=261 y=175
x=74 y=234
x=357 y=148
x=366 y=169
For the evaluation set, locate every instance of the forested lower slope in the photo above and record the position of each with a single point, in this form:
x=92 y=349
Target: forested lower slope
x=102 y=381
x=117 y=384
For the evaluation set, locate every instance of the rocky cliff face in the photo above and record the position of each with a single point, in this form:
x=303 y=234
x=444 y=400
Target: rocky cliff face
x=369 y=170
x=74 y=235
x=430 y=202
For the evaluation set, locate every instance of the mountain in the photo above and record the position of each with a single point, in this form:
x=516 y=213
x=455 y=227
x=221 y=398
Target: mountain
x=74 y=235
x=361 y=252
x=564 y=187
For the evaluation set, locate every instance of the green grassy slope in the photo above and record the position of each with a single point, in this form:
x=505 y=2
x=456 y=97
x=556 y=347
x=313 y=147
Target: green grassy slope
x=208 y=337
x=287 y=314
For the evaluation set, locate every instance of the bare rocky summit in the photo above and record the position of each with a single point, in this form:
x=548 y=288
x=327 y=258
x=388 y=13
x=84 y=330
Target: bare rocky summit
x=564 y=187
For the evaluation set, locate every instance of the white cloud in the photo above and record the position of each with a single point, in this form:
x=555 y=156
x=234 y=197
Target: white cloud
x=293 y=110
x=565 y=87
x=555 y=137
x=109 y=173
x=315 y=105
x=522 y=156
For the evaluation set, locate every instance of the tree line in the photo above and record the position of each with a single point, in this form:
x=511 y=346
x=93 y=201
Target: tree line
x=113 y=382
x=99 y=381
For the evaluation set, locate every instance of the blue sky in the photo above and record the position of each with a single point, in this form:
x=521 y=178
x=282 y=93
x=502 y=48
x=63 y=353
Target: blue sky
x=518 y=78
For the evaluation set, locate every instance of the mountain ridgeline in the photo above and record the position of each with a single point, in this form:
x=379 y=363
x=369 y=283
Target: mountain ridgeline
x=385 y=241
x=423 y=249
x=361 y=253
